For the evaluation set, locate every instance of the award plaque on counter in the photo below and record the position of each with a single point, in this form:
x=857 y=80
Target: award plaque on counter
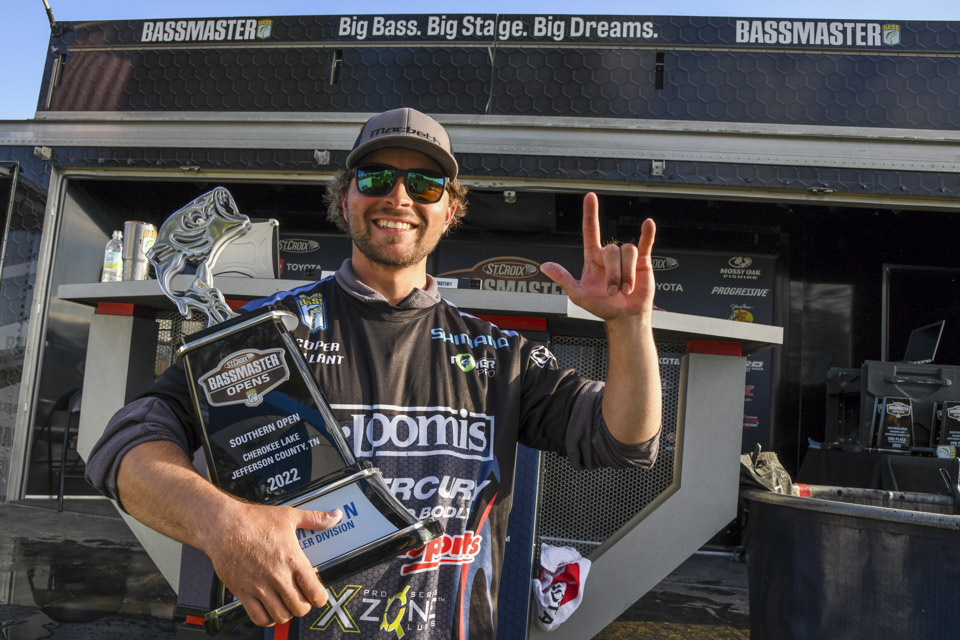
x=950 y=424
x=269 y=435
x=896 y=423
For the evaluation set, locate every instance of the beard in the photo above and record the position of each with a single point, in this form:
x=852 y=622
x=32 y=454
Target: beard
x=388 y=254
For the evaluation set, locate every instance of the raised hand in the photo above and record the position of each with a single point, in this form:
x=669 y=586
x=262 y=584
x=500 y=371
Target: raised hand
x=617 y=280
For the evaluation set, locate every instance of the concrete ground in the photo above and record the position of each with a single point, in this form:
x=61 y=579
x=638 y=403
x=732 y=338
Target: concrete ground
x=81 y=574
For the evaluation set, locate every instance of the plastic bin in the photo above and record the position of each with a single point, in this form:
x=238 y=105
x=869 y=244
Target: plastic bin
x=843 y=563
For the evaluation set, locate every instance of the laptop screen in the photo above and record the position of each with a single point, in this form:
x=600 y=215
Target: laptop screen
x=923 y=343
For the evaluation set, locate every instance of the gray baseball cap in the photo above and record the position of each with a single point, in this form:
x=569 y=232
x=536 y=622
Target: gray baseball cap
x=408 y=129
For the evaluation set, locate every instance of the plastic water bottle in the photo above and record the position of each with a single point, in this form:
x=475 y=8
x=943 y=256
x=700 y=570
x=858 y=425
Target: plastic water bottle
x=113 y=259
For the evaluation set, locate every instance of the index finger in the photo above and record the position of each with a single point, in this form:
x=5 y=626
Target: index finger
x=591 y=222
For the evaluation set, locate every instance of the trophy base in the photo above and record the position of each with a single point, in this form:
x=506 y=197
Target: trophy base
x=371 y=530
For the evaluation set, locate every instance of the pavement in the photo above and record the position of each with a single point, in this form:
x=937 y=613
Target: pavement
x=81 y=574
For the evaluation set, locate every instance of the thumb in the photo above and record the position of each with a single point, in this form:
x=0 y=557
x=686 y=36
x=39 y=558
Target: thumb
x=559 y=275
x=317 y=520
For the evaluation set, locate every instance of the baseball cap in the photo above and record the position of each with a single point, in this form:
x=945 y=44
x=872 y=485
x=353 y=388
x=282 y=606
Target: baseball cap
x=408 y=129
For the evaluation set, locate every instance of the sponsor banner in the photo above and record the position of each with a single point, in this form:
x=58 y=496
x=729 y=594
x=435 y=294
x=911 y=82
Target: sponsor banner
x=488 y=28
x=307 y=256
x=732 y=286
x=508 y=273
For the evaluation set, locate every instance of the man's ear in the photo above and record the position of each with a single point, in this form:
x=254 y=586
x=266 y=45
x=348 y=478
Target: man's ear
x=451 y=210
x=343 y=207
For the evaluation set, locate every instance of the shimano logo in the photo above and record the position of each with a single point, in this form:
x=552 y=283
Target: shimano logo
x=382 y=430
x=297 y=245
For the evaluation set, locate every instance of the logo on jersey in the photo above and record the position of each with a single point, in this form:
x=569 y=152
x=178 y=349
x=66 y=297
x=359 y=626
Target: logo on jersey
x=388 y=430
x=313 y=312
x=471 y=341
x=336 y=610
x=466 y=362
x=541 y=356
x=445 y=550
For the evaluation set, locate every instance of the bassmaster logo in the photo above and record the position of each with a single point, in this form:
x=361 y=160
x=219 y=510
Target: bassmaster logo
x=206 y=30
x=387 y=430
x=833 y=34
x=445 y=550
x=898 y=409
x=245 y=377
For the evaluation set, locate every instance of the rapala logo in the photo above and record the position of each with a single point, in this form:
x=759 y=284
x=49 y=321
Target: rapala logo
x=385 y=430
x=445 y=550
x=298 y=245
x=898 y=409
x=663 y=263
x=516 y=268
x=245 y=377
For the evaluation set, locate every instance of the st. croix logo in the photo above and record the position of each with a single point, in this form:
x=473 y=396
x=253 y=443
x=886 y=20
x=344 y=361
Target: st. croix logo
x=245 y=377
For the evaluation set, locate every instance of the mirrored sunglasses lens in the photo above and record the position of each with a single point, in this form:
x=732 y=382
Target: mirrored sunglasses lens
x=377 y=182
x=424 y=187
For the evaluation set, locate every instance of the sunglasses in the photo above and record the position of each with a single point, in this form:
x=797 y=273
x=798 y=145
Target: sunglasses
x=379 y=179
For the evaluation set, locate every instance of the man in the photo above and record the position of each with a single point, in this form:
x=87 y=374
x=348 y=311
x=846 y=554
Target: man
x=404 y=350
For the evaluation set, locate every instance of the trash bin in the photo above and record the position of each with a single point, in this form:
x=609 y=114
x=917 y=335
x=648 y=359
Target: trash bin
x=844 y=563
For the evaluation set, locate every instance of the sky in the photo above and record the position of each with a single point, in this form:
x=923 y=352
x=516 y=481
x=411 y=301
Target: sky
x=25 y=30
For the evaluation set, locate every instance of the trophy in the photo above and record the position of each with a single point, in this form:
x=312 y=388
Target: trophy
x=268 y=433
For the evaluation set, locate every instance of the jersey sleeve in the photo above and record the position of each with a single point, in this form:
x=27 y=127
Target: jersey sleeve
x=561 y=412
x=163 y=412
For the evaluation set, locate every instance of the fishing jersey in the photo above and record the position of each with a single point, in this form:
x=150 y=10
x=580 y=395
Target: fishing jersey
x=438 y=400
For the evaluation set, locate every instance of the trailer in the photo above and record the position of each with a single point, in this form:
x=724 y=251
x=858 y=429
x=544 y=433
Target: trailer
x=803 y=174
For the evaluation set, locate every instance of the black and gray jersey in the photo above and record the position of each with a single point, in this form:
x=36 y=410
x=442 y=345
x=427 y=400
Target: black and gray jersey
x=437 y=399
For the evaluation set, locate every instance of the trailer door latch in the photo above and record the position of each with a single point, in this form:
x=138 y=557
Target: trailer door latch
x=657 y=167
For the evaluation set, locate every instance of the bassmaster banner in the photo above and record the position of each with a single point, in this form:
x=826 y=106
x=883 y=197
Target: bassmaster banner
x=867 y=33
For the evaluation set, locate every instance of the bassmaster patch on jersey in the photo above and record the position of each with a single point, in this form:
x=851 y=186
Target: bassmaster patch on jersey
x=313 y=312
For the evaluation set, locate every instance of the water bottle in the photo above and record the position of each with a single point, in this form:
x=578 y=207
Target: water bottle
x=113 y=259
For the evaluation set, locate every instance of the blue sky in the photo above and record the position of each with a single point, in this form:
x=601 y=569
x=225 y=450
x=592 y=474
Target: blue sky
x=24 y=30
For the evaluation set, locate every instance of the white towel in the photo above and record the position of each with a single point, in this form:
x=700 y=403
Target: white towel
x=559 y=590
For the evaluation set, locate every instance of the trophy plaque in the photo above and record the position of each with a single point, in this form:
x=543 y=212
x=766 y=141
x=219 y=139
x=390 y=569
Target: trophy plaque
x=268 y=433
x=896 y=424
x=950 y=424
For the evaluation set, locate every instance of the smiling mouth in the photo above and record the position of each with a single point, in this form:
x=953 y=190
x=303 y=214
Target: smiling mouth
x=393 y=224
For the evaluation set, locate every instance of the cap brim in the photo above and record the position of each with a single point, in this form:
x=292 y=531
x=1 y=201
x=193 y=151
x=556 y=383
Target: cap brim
x=446 y=161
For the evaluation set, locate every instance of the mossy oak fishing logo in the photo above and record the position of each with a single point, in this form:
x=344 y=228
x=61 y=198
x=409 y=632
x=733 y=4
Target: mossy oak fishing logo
x=245 y=377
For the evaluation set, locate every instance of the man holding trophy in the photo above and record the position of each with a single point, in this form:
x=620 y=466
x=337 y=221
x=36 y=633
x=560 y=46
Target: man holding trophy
x=434 y=398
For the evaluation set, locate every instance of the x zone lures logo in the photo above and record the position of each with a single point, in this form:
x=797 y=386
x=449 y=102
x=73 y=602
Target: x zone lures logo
x=467 y=363
x=414 y=609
